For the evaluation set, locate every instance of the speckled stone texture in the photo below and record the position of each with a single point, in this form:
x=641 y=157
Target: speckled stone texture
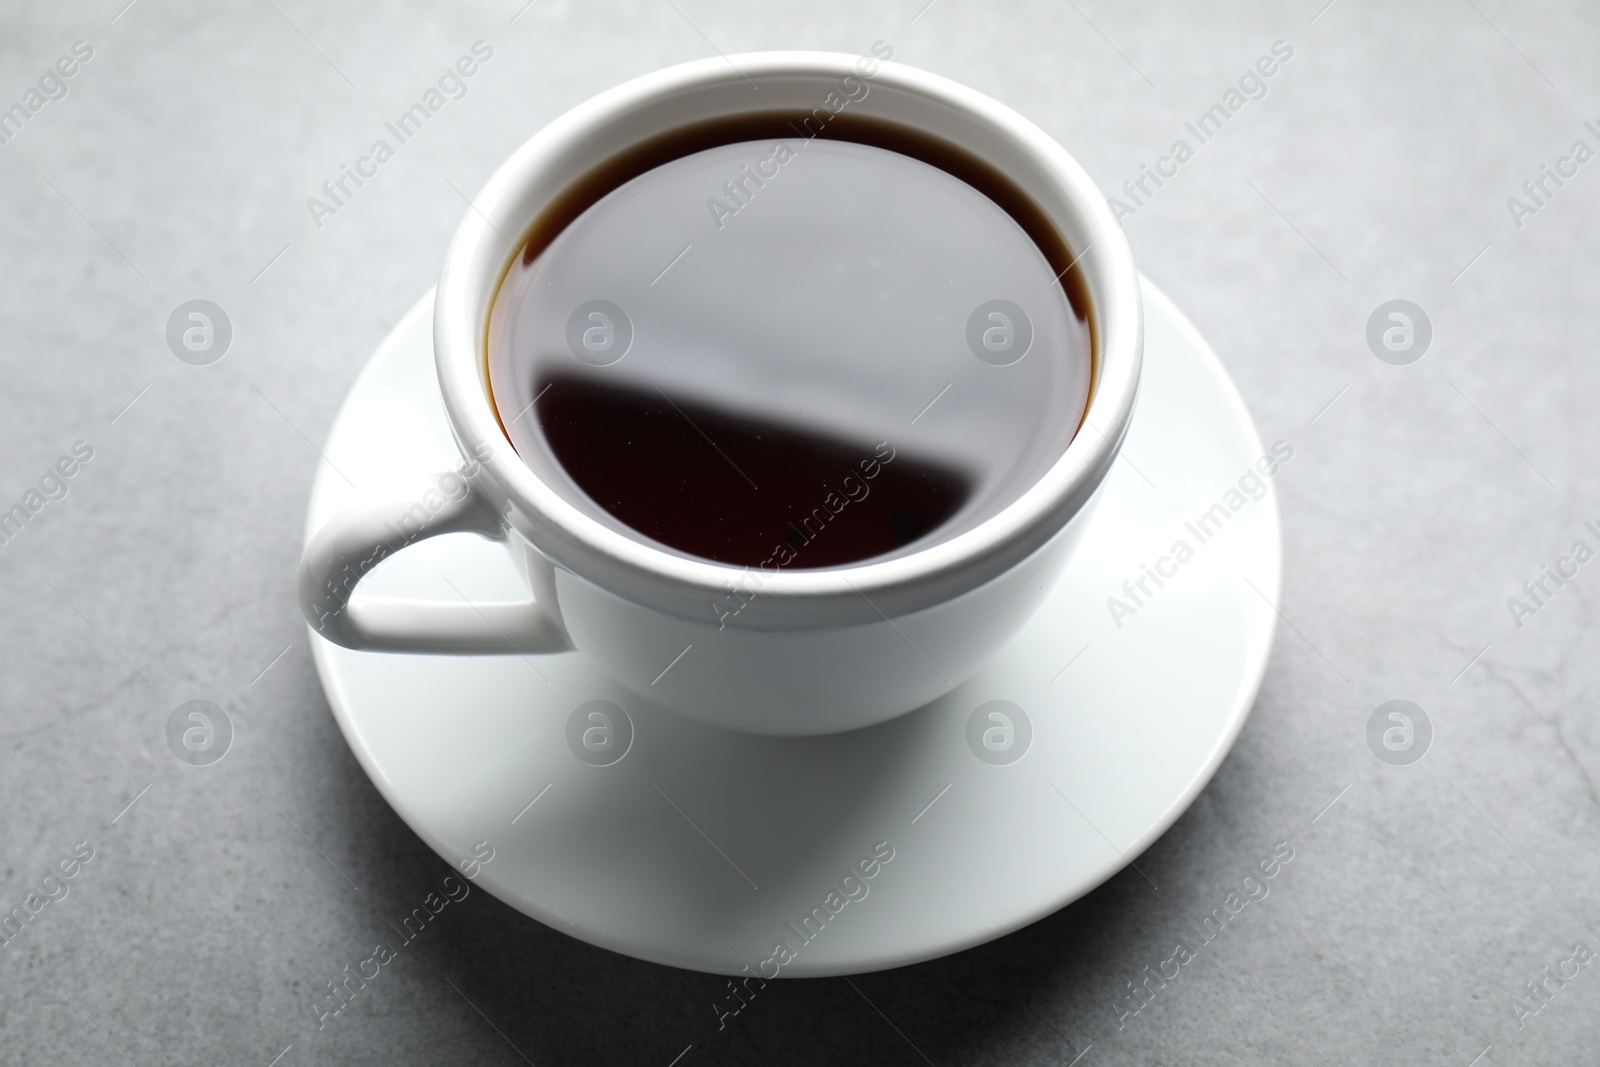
x=1421 y=899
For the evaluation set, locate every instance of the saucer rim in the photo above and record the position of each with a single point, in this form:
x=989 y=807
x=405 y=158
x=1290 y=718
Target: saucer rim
x=1252 y=672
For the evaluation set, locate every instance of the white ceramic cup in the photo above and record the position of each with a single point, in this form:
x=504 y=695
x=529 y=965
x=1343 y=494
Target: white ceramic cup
x=810 y=651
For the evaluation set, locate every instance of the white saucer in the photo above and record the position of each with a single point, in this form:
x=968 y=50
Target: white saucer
x=699 y=847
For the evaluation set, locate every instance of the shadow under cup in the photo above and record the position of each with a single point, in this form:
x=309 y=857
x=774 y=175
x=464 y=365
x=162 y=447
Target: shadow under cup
x=773 y=342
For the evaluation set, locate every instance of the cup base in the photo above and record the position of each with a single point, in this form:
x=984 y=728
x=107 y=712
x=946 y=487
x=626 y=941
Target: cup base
x=1023 y=789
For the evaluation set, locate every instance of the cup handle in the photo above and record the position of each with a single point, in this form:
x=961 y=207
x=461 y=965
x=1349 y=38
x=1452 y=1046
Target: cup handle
x=357 y=538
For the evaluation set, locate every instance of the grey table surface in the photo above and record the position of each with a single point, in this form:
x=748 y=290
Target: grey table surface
x=1377 y=165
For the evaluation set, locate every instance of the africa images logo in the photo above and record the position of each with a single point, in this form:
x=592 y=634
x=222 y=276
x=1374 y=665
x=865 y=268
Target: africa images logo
x=852 y=887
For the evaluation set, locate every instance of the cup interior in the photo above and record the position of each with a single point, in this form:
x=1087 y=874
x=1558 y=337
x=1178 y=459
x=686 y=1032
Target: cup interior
x=877 y=339
x=593 y=147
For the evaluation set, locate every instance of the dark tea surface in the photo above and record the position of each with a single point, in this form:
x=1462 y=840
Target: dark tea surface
x=789 y=353
x=794 y=499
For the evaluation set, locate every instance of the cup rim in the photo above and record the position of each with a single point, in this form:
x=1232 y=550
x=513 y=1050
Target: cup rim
x=638 y=570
